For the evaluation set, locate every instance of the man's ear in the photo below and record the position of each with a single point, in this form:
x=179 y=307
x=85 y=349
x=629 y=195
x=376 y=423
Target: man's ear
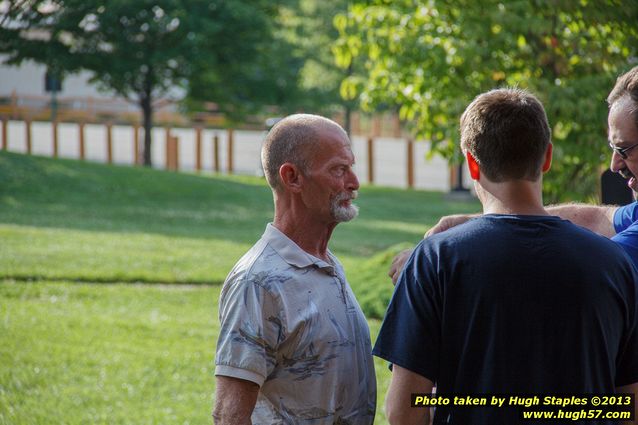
x=548 y=158
x=290 y=176
x=473 y=166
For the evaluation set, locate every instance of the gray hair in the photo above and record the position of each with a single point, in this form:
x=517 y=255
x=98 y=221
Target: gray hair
x=626 y=86
x=294 y=140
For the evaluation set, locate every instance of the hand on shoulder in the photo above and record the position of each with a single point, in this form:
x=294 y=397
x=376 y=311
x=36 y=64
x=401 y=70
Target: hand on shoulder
x=444 y=224
x=447 y=222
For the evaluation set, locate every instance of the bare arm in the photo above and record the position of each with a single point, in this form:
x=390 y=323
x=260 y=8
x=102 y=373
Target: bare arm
x=598 y=219
x=397 y=404
x=235 y=401
x=449 y=221
x=631 y=389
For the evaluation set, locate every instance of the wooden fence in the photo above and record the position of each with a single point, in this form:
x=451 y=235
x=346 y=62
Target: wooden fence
x=91 y=110
x=22 y=107
x=207 y=153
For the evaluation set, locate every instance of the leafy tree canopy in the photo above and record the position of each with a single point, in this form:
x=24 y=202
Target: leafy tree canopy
x=311 y=29
x=141 y=49
x=296 y=70
x=429 y=58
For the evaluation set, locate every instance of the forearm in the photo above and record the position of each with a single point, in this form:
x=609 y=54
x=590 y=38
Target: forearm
x=631 y=389
x=234 y=401
x=225 y=418
x=398 y=400
x=598 y=219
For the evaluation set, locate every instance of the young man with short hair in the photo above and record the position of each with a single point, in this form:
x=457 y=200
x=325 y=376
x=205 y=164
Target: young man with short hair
x=515 y=301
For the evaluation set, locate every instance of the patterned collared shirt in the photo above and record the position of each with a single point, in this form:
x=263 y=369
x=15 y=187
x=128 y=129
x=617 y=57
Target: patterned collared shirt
x=291 y=324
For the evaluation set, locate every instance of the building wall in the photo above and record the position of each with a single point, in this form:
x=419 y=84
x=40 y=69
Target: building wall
x=28 y=80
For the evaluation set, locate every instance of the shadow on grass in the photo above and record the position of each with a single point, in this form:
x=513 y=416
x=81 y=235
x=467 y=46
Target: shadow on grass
x=58 y=193
x=17 y=278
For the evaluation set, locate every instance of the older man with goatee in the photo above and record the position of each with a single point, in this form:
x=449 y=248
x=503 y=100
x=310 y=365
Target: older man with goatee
x=294 y=345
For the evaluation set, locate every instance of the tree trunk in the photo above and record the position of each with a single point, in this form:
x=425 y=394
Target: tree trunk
x=347 y=121
x=147 y=112
x=146 y=102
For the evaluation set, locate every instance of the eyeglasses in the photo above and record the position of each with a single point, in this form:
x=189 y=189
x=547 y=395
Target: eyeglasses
x=622 y=151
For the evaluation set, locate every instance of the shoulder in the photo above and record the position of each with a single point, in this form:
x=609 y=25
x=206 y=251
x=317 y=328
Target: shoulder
x=628 y=209
x=630 y=233
x=586 y=244
x=626 y=219
x=260 y=266
x=625 y=216
x=607 y=255
x=456 y=236
x=582 y=237
x=627 y=239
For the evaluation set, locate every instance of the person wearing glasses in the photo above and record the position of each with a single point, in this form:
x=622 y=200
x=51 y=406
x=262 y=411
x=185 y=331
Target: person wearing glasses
x=618 y=223
x=515 y=302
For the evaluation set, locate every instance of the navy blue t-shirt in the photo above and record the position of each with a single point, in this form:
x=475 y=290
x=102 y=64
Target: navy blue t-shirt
x=514 y=305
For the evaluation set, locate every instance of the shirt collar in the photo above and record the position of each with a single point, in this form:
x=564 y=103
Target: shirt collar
x=291 y=253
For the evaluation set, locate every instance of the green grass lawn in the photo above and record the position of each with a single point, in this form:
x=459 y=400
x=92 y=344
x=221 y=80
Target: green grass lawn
x=83 y=343
x=106 y=354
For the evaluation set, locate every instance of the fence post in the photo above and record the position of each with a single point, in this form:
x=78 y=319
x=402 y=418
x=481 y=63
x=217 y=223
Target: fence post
x=356 y=123
x=14 y=105
x=172 y=153
x=397 y=125
x=370 y=160
x=376 y=125
x=216 y=152
x=81 y=138
x=136 y=144
x=174 y=150
x=109 y=143
x=410 y=165
x=5 y=142
x=27 y=124
x=230 y=150
x=198 y=149
x=167 y=148
x=54 y=125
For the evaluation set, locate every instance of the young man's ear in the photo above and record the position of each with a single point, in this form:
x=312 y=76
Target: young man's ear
x=290 y=176
x=473 y=166
x=548 y=158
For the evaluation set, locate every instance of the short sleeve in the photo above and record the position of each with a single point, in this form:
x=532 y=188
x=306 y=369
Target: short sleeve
x=251 y=330
x=410 y=335
x=628 y=240
x=625 y=217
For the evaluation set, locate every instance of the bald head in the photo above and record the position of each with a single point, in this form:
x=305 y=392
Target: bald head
x=294 y=139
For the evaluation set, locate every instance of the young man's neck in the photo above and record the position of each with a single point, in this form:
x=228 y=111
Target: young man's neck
x=517 y=197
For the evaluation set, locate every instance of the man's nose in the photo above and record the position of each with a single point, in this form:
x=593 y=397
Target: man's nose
x=617 y=162
x=353 y=181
